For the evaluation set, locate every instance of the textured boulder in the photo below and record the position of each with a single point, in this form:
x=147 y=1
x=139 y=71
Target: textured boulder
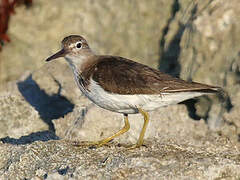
x=179 y=39
x=18 y=118
x=168 y=159
x=212 y=55
x=59 y=104
x=122 y=28
x=43 y=113
x=176 y=145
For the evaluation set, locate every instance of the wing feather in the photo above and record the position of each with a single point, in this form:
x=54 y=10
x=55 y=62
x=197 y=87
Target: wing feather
x=123 y=76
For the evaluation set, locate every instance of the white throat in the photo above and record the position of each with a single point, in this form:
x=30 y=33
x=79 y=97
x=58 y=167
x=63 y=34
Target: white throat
x=76 y=62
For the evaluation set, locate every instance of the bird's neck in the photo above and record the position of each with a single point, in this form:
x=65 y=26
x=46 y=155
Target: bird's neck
x=79 y=63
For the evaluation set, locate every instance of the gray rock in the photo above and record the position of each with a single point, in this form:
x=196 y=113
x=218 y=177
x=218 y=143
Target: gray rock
x=180 y=39
x=121 y=28
x=18 y=118
x=200 y=44
x=177 y=146
x=43 y=113
x=164 y=159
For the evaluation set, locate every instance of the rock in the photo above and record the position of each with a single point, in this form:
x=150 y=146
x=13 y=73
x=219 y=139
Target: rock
x=93 y=123
x=43 y=114
x=70 y=115
x=18 y=118
x=123 y=33
x=183 y=42
x=200 y=44
x=177 y=146
x=216 y=60
x=32 y=103
x=163 y=159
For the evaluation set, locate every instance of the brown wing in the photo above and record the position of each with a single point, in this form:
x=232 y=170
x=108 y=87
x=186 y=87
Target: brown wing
x=123 y=76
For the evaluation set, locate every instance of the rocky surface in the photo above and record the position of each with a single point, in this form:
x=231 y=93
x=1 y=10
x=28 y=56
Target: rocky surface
x=212 y=55
x=201 y=44
x=176 y=145
x=183 y=42
x=18 y=118
x=43 y=114
x=165 y=158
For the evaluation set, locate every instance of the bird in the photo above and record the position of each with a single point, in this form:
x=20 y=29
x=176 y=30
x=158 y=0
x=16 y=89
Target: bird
x=124 y=86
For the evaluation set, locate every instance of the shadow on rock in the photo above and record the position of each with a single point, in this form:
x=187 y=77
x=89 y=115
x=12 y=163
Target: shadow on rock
x=38 y=136
x=48 y=106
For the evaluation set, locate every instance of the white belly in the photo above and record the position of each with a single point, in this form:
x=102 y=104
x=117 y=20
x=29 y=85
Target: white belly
x=129 y=103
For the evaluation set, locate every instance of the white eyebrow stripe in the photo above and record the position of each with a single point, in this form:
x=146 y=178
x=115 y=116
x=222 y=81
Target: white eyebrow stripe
x=72 y=46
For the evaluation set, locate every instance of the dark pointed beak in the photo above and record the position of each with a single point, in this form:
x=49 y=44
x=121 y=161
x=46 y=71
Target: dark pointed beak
x=60 y=53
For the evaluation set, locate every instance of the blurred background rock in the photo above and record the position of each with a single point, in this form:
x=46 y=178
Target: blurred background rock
x=195 y=40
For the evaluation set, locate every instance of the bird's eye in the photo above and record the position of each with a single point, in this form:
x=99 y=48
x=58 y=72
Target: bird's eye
x=79 y=45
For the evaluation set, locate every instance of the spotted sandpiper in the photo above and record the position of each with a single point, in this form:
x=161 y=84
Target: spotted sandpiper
x=124 y=86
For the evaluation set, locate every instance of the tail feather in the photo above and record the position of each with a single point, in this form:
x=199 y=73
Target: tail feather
x=206 y=89
x=209 y=90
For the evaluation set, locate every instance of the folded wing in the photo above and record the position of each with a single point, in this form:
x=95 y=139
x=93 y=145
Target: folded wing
x=123 y=76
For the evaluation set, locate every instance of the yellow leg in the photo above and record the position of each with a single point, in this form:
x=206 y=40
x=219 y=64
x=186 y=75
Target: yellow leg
x=122 y=131
x=146 y=120
x=125 y=129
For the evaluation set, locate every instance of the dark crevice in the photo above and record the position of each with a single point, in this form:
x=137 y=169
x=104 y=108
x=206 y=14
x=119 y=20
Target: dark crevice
x=175 y=9
x=169 y=54
x=168 y=58
x=192 y=111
